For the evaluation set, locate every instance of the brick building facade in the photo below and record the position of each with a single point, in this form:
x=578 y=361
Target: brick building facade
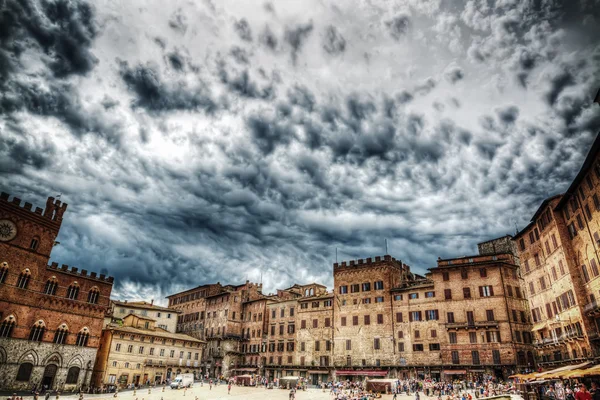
x=137 y=351
x=51 y=316
x=466 y=317
x=215 y=313
x=559 y=253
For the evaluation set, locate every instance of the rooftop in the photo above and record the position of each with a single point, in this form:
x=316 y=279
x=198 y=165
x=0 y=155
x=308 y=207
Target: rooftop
x=143 y=305
x=158 y=332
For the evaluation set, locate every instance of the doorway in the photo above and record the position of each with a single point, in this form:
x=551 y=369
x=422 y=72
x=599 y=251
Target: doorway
x=49 y=375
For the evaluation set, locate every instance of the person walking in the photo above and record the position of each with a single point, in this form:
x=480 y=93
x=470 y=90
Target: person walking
x=583 y=394
x=229 y=388
x=595 y=392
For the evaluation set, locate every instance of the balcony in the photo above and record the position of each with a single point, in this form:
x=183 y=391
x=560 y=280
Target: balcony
x=565 y=337
x=471 y=324
x=591 y=308
x=216 y=354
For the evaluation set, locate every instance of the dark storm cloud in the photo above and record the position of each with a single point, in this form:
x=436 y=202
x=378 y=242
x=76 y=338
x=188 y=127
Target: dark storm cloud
x=176 y=60
x=333 y=42
x=298 y=162
x=178 y=22
x=426 y=87
x=404 y=97
x=155 y=95
x=243 y=30
x=240 y=55
x=241 y=84
x=268 y=38
x=398 y=26
x=302 y=97
x=454 y=74
x=557 y=84
x=62 y=29
x=508 y=115
x=268 y=133
x=17 y=154
x=60 y=101
x=296 y=37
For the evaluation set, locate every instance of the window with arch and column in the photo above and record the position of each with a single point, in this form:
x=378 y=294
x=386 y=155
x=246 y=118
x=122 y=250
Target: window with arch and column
x=60 y=336
x=3 y=272
x=24 y=278
x=51 y=285
x=37 y=331
x=24 y=372
x=73 y=291
x=7 y=326
x=82 y=337
x=73 y=375
x=93 y=295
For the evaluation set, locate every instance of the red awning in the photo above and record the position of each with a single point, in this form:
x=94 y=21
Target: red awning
x=361 y=373
x=455 y=371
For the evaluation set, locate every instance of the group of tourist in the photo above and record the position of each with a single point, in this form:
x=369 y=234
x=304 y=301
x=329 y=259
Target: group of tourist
x=559 y=390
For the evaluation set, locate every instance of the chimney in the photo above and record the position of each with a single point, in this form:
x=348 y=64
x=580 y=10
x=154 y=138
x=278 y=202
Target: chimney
x=152 y=302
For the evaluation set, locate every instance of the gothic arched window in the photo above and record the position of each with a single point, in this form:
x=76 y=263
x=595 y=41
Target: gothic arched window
x=60 y=336
x=23 y=280
x=7 y=326
x=82 y=337
x=51 y=285
x=37 y=331
x=73 y=291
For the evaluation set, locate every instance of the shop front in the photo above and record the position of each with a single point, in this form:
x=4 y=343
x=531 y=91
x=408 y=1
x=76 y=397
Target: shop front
x=359 y=375
x=316 y=377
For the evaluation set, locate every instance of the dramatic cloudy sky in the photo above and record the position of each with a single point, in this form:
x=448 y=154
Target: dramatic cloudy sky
x=201 y=141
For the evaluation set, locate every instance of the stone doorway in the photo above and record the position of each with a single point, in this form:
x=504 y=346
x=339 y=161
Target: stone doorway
x=49 y=375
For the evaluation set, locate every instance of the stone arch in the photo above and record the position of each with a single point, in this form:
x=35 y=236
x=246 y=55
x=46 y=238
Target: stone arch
x=30 y=356
x=2 y=355
x=54 y=358
x=75 y=361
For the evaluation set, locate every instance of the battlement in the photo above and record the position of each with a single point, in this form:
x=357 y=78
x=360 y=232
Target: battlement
x=386 y=259
x=83 y=273
x=54 y=211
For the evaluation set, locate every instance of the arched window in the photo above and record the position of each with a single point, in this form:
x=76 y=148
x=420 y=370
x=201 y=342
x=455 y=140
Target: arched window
x=60 y=336
x=37 y=331
x=3 y=271
x=73 y=291
x=82 y=337
x=23 y=280
x=93 y=296
x=24 y=372
x=73 y=375
x=51 y=286
x=7 y=326
x=126 y=365
x=35 y=242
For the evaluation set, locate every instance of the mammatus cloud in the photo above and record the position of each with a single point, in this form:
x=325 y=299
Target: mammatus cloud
x=256 y=140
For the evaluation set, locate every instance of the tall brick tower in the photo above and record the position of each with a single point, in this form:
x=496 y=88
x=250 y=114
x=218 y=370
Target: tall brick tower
x=50 y=316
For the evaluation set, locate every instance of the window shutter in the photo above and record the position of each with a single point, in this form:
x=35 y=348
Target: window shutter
x=491 y=290
x=410 y=316
x=420 y=319
x=480 y=291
